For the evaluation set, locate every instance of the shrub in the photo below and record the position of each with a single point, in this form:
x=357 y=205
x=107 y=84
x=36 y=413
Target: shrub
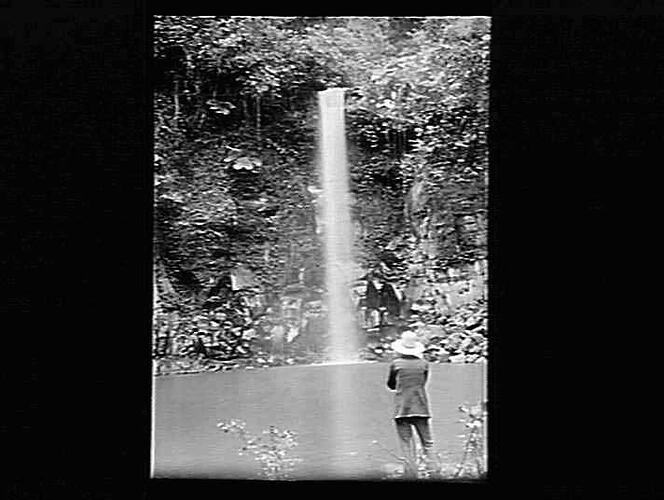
x=473 y=463
x=270 y=449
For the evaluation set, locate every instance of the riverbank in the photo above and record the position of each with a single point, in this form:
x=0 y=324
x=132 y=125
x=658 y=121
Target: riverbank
x=460 y=338
x=179 y=365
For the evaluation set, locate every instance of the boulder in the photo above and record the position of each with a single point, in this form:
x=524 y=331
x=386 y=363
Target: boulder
x=443 y=356
x=453 y=342
x=465 y=344
x=459 y=358
x=242 y=278
x=430 y=331
x=477 y=337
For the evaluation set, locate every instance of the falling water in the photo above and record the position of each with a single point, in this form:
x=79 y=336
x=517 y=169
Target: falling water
x=337 y=227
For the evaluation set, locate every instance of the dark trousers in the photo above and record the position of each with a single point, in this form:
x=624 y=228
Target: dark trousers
x=405 y=432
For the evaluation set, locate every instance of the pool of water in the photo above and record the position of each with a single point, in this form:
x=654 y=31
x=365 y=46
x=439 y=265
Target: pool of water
x=337 y=411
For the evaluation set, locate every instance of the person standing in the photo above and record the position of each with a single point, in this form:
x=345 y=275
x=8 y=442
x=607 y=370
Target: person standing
x=408 y=374
x=278 y=334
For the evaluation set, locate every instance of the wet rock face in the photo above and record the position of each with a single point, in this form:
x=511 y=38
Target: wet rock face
x=446 y=227
x=472 y=230
x=449 y=288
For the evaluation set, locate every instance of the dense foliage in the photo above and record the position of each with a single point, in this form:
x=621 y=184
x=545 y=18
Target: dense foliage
x=235 y=151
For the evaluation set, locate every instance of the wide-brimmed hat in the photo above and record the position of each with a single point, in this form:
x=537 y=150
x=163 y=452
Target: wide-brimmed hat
x=408 y=344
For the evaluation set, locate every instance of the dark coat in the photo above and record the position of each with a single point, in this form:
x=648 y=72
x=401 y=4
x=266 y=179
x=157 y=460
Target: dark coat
x=408 y=376
x=372 y=296
x=389 y=299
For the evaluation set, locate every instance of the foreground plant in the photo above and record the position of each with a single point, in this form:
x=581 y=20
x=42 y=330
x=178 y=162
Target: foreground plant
x=270 y=449
x=473 y=462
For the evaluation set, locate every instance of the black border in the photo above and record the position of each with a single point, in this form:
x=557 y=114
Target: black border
x=576 y=123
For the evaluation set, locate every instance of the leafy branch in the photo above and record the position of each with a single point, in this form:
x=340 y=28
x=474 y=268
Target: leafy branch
x=271 y=449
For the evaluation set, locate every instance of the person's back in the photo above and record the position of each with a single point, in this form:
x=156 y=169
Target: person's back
x=408 y=376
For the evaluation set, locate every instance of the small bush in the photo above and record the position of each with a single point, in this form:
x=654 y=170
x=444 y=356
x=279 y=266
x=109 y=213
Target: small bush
x=270 y=449
x=473 y=463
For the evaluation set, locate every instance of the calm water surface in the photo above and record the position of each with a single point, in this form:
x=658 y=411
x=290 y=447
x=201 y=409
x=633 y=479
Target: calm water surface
x=336 y=410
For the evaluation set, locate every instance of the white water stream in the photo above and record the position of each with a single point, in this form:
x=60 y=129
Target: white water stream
x=337 y=227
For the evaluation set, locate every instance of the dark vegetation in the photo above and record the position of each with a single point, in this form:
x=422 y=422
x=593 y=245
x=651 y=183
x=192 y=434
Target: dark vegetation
x=238 y=261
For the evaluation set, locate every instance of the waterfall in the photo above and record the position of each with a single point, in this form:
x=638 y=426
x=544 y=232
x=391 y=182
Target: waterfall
x=337 y=227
